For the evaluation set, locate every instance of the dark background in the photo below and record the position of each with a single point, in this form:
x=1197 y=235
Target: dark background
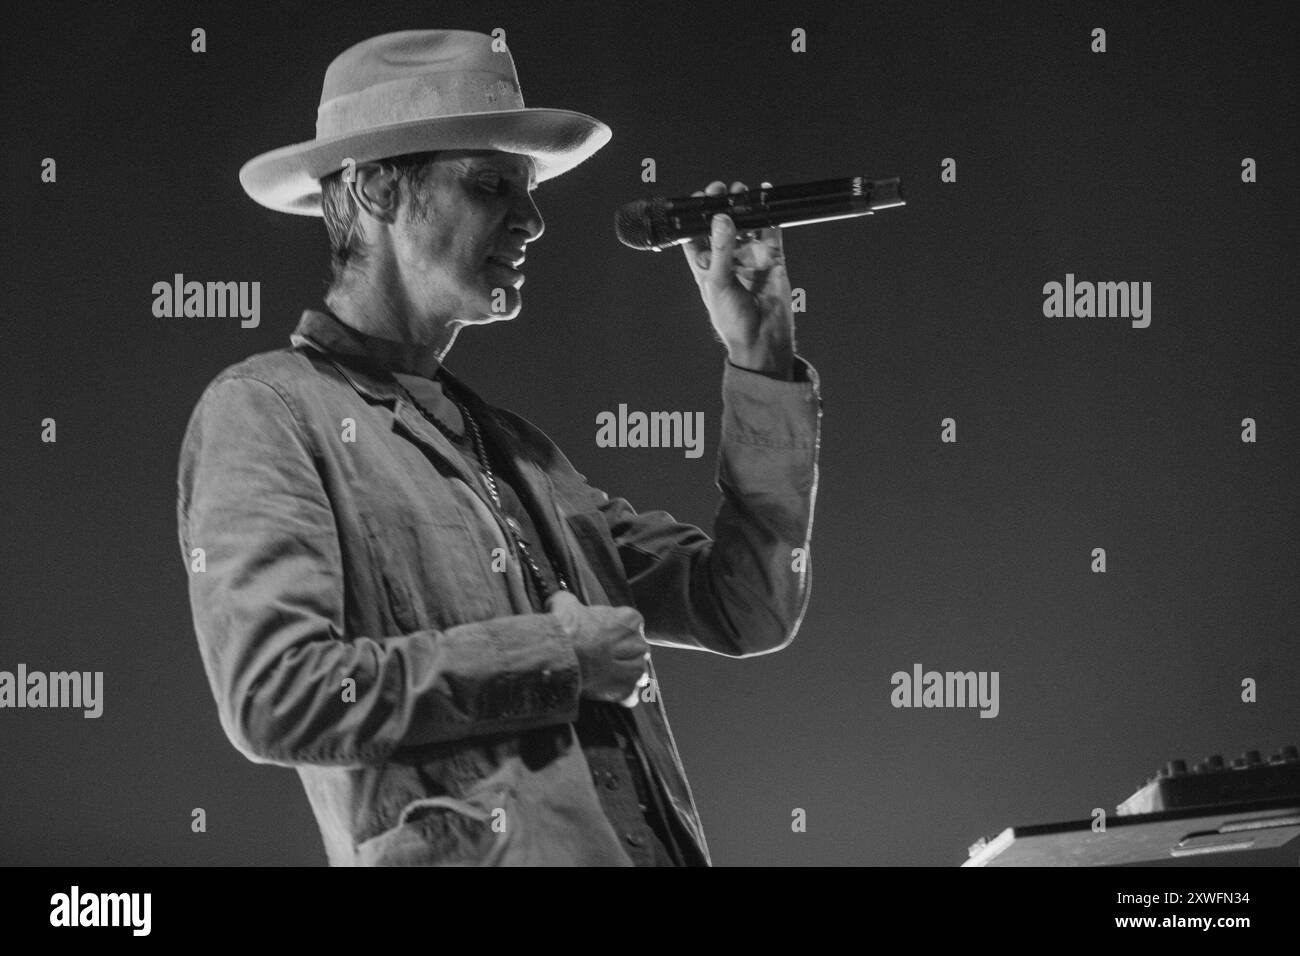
x=1073 y=433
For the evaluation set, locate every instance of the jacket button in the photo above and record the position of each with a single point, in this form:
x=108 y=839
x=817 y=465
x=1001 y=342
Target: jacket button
x=611 y=782
x=633 y=839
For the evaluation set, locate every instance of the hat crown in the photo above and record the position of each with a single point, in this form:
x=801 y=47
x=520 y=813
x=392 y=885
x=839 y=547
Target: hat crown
x=415 y=75
x=419 y=91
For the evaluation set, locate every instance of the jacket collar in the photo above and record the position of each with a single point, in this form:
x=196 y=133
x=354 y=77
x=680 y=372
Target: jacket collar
x=368 y=363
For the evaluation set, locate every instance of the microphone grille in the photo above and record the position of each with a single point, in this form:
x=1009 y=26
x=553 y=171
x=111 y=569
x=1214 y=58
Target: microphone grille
x=640 y=223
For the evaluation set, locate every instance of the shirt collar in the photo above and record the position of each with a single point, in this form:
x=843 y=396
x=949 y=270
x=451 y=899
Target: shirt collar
x=370 y=373
x=330 y=334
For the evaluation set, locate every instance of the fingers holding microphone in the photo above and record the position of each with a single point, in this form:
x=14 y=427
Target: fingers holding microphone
x=712 y=257
x=701 y=251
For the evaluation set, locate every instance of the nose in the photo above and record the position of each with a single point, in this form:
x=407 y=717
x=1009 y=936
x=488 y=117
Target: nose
x=527 y=218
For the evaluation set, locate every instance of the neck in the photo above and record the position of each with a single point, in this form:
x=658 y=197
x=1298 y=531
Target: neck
x=400 y=337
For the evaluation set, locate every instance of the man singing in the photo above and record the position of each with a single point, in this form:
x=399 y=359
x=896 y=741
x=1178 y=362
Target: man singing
x=410 y=595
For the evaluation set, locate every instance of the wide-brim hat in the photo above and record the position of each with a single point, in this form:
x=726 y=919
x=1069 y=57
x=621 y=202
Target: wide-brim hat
x=414 y=91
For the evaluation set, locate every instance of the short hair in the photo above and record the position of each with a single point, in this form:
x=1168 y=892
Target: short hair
x=347 y=248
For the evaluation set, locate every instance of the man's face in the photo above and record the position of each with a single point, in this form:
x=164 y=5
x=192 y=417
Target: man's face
x=477 y=206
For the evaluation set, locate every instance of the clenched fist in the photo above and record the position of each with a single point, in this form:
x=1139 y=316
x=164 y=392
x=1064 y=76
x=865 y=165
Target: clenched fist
x=610 y=644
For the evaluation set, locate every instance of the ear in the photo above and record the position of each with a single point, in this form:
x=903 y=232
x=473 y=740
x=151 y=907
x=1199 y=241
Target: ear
x=374 y=190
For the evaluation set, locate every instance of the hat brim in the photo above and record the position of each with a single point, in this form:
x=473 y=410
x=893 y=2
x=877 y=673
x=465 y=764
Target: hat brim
x=287 y=179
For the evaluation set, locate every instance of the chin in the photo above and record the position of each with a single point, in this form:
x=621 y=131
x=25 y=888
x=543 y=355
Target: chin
x=509 y=307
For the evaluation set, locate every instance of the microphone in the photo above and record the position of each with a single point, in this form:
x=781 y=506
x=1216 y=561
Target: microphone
x=659 y=223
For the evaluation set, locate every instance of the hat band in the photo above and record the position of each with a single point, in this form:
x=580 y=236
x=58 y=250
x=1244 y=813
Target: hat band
x=430 y=96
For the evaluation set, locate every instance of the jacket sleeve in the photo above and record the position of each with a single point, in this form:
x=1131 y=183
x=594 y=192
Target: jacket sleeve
x=743 y=591
x=267 y=595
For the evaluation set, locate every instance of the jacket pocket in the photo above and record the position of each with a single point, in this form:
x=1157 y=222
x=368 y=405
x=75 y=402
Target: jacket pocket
x=446 y=831
x=431 y=572
x=596 y=546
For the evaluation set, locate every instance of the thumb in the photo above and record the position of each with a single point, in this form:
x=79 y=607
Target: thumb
x=560 y=599
x=722 y=241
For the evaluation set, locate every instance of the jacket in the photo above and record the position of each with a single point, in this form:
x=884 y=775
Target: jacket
x=353 y=623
